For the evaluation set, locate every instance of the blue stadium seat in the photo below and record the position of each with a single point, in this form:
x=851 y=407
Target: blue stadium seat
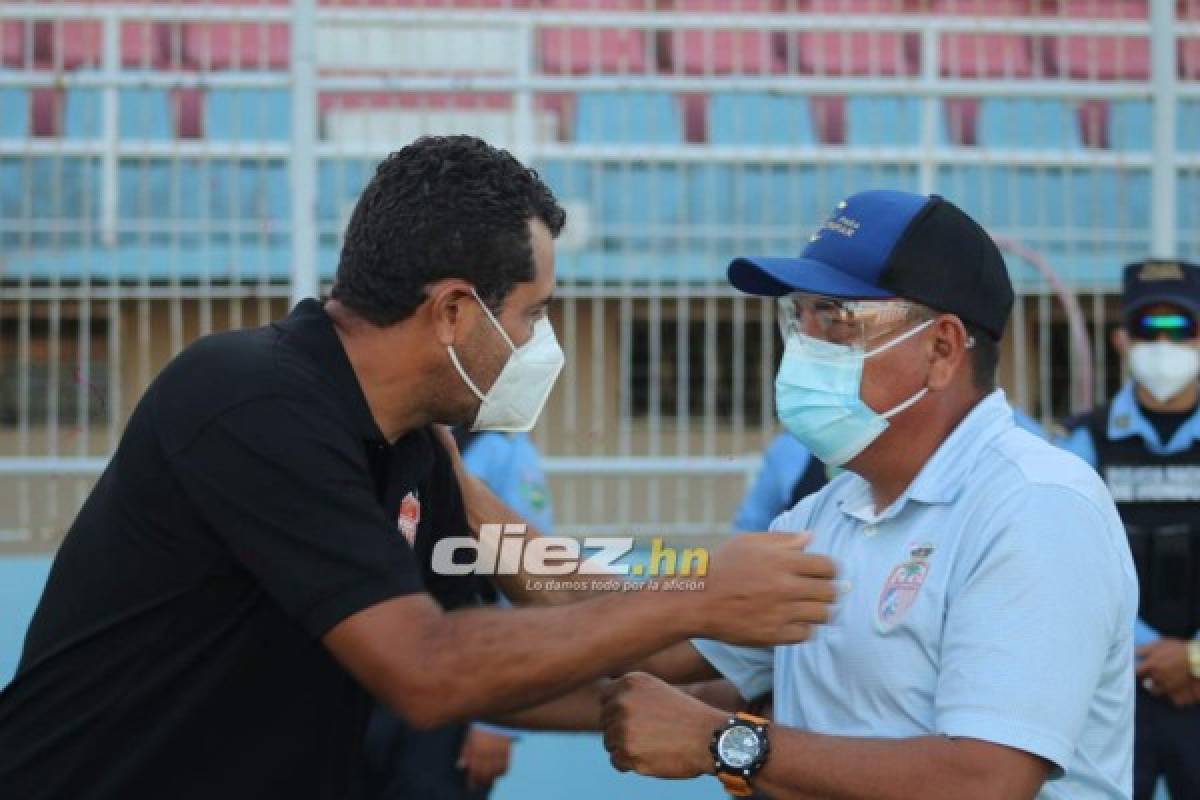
x=637 y=200
x=248 y=115
x=1187 y=128
x=1028 y=124
x=760 y=204
x=1130 y=125
x=759 y=118
x=883 y=121
x=14 y=124
x=628 y=118
x=145 y=114
x=14 y=113
x=249 y=188
x=338 y=185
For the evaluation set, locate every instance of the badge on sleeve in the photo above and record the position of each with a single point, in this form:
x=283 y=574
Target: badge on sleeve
x=409 y=517
x=901 y=588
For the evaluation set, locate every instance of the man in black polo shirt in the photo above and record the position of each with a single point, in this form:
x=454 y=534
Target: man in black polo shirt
x=254 y=563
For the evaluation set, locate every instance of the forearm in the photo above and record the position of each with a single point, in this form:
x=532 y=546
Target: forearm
x=804 y=765
x=578 y=710
x=482 y=662
x=679 y=663
x=485 y=508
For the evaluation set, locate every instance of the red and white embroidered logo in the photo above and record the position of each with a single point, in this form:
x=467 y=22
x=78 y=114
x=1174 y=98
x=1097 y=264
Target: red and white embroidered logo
x=409 y=516
x=902 y=587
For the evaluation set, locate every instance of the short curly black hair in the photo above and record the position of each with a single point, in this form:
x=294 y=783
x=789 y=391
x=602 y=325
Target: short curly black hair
x=442 y=207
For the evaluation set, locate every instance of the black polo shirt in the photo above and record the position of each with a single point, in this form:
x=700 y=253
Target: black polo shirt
x=251 y=505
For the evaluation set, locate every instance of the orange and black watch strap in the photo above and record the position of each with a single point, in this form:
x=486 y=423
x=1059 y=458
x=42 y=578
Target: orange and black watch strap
x=736 y=784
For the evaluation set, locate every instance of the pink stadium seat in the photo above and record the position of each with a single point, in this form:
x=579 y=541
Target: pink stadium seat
x=1189 y=59
x=858 y=53
x=251 y=46
x=1101 y=57
x=578 y=51
x=474 y=101
x=80 y=44
x=989 y=55
x=12 y=44
x=701 y=52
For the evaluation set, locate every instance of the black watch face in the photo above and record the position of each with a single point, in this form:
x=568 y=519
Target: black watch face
x=738 y=746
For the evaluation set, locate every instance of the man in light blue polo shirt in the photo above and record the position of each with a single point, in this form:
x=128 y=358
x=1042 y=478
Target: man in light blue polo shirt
x=982 y=647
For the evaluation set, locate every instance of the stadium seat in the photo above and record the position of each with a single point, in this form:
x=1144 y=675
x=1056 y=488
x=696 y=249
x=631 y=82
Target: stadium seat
x=79 y=44
x=1100 y=57
x=14 y=113
x=339 y=183
x=764 y=196
x=1187 y=126
x=759 y=118
x=241 y=46
x=715 y=52
x=988 y=55
x=1130 y=126
x=141 y=114
x=578 y=51
x=249 y=187
x=1189 y=59
x=13 y=44
x=636 y=198
x=858 y=52
x=1028 y=124
x=883 y=121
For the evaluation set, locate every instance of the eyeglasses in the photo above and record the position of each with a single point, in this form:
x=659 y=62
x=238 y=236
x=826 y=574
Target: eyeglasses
x=1151 y=327
x=856 y=323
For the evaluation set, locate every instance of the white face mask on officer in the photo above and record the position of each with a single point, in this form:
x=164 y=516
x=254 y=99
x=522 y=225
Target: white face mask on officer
x=523 y=385
x=1164 y=369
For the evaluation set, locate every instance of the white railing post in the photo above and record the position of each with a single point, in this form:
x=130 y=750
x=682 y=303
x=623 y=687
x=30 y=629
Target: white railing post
x=1164 y=174
x=109 y=129
x=927 y=175
x=303 y=158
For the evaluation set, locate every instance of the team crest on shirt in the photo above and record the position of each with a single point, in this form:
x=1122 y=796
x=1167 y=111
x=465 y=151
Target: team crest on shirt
x=902 y=587
x=409 y=516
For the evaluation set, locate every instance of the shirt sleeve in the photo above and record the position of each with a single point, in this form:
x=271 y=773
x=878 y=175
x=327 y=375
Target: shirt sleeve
x=290 y=494
x=750 y=669
x=1031 y=625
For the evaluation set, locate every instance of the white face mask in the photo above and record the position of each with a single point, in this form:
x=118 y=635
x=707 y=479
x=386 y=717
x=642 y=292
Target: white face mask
x=516 y=398
x=1164 y=369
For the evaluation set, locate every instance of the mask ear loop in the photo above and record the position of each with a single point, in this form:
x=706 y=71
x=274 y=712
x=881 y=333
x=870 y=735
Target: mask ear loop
x=454 y=356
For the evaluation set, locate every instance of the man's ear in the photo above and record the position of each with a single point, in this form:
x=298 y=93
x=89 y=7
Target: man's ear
x=449 y=307
x=948 y=352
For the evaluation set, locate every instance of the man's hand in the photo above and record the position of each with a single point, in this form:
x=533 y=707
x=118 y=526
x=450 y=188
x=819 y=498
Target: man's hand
x=1187 y=696
x=763 y=589
x=484 y=757
x=655 y=729
x=1165 y=664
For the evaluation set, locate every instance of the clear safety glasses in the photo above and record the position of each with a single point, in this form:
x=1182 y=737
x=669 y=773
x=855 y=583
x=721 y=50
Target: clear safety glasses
x=855 y=323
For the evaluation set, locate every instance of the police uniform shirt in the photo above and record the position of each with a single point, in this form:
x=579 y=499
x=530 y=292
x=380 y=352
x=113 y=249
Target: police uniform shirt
x=251 y=505
x=1151 y=472
x=993 y=600
x=510 y=466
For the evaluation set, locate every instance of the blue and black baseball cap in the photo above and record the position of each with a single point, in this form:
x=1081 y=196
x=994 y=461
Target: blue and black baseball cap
x=886 y=243
x=1160 y=281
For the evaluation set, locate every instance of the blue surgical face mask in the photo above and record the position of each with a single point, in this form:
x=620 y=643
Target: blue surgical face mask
x=817 y=396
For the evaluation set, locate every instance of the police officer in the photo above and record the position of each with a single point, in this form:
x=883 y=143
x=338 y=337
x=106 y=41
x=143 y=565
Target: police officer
x=1146 y=446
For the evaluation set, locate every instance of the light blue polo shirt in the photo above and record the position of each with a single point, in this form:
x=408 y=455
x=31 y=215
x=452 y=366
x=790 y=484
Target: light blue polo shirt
x=1125 y=419
x=993 y=600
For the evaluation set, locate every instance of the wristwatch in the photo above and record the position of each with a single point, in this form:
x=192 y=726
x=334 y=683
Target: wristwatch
x=739 y=749
x=1194 y=657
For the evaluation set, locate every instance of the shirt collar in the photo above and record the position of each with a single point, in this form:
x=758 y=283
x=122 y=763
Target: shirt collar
x=942 y=477
x=309 y=330
x=1125 y=419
